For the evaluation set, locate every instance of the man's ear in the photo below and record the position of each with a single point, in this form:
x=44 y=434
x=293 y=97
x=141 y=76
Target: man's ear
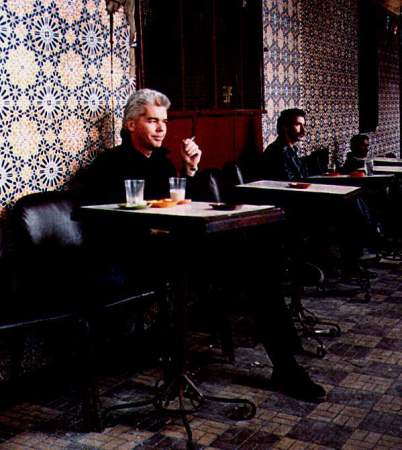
x=130 y=125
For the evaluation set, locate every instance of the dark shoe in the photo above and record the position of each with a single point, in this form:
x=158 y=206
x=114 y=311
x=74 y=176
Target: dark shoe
x=369 y=255
x=358 y=273
x=311 y=275
x=297 y=384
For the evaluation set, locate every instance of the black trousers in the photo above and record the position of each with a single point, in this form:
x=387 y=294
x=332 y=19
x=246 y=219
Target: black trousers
x=225 y=261
x=253 y=261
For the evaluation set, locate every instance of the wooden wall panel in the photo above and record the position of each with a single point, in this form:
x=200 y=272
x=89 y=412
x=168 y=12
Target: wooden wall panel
x=179 y=128
x=216 y=138
x=223 y=135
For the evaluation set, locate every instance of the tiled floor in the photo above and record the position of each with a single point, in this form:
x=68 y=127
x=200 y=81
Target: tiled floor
x=362 y=373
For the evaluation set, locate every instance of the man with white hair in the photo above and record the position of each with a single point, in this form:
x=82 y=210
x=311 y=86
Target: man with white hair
x=141 y=154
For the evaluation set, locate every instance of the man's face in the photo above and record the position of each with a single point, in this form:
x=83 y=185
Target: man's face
x=296 y=130
x=149 y=130
x=360 y=149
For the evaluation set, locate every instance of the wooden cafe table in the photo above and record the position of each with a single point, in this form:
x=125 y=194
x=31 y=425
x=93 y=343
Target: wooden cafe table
x=294 y=196
x=390 y=170
x=377 y=181
x=381 y=161
x=284 y=193
x=195 y=220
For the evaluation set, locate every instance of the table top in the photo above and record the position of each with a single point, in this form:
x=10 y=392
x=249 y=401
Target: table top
x=388 y=169
x=313 y=188
x=195 y=215
x=288 y=195
x=387 y=161
x=372 y=180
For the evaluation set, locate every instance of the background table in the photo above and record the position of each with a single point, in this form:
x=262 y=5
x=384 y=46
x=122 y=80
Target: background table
x=282 y=194
x=393 y=170
x=373 y=181
x=381 y=161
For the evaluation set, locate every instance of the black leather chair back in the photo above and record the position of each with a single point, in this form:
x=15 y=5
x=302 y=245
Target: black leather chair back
x=232 y=175
x=47 y=255
x=44 y=219
x=54 y=268
x=317 y=161
x=206 y=186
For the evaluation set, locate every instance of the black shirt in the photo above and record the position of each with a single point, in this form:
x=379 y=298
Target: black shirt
x=281 y=162
x=352 y=163
x=103 y=180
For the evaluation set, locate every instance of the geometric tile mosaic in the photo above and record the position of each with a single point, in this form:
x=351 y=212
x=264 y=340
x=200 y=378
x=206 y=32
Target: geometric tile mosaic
x=55 y=90
x=311 y=61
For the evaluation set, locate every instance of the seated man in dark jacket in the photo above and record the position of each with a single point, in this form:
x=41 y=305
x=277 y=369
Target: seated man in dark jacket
x=141 y=156
x=383 y=201
x=280 y=161
x=356 y=158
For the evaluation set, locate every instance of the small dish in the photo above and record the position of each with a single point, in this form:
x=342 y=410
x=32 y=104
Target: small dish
x=332 y=174
x=224 y=206
x=299 y=185
x=186 y=201
x=358 y=173
x=141 y=205
x=163 y=203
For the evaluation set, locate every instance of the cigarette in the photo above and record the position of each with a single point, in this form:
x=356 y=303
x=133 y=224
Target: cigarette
x=191 y=139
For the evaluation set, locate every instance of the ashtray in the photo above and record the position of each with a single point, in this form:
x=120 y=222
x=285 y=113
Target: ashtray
x=332 y=174
x=224 y=206
x=141 y=205
x=299 y=185
x=357 y=174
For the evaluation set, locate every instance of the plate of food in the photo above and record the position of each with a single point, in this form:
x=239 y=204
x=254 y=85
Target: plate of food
x=139 y=205
x=185 y=201
x=298 y=185
x=163 y=203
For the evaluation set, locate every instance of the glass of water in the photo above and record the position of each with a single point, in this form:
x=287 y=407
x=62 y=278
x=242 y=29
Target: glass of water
x=134 y=191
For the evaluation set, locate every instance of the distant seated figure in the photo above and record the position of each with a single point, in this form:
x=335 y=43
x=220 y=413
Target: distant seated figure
x=280 y=160
x=356 y=158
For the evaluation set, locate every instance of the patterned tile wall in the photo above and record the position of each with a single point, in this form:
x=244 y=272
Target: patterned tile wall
x=387 y=136
x=318 y=71
x=282 y=65
x=329 y=55
x=56 y=90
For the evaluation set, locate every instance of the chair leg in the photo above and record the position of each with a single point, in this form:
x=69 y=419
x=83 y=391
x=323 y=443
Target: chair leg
x=89 y=391
x=311 y=325
x=16 y=345
x=221 y=322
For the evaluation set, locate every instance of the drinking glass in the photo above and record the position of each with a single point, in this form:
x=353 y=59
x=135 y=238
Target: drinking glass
x=177 y=188
x=134 y=191
x=369 y=165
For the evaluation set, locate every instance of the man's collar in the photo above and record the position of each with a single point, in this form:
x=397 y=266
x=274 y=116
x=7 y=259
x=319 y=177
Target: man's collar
x=287 y=146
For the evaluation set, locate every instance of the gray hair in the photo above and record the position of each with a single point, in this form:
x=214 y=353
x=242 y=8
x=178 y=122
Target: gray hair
x=135 y=104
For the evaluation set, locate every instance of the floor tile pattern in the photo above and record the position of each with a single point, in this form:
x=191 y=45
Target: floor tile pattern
x=362 y=373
